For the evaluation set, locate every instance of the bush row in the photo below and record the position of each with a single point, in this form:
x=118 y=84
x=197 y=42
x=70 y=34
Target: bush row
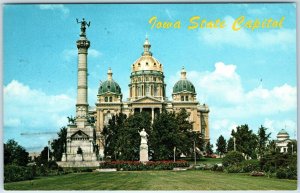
x=13 y=173
x=150 y=165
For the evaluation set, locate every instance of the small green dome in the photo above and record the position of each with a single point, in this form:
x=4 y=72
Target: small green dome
x=184 y=86
x=282 y=131
x=109 y=86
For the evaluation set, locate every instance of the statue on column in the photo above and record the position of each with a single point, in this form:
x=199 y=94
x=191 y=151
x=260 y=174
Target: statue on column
x=83 y=24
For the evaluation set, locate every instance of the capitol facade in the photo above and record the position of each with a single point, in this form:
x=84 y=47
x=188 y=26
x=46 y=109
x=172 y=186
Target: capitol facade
x=147 y=93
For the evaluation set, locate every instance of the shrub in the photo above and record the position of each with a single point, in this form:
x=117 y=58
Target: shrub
x=218 y=168
x=234 y=169
x=256 y=173
x=287 y=173
x=150 y=165
x=249 y=165
x=13 y=173
x=232 y=158
x=281 y=173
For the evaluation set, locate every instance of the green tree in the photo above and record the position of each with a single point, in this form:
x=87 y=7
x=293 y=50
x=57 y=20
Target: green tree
x=230 y=144
x=174 y=130
x=263 y=138
x=113 y=136
x=122 y=139
x=271 y=146
x=15 y=154
x=292 y=147
x=246 y=140
x=43 y=157
x=208 y=148
x=59 y=145
x=221 y=145
x=164 y=136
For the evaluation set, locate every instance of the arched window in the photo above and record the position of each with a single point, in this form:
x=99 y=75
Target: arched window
x=106 y=99
x=110 y=99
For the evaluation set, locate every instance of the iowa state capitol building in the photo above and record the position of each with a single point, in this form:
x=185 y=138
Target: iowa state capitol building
x=147 y=93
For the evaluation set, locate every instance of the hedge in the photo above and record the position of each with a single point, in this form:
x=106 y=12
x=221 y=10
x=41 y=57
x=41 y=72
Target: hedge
x=13 y=173
x=150 y=165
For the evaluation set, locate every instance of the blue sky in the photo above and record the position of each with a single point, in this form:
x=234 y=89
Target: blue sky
x=245 y=76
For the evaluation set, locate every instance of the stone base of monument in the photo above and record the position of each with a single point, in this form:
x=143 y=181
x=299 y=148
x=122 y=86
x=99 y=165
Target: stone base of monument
x=64 y=157
x=94 y=157
x=72 y=164
x=144 y=153
x=78 y=157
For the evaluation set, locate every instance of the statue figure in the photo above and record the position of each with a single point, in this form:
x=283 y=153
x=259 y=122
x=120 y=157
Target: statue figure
x=83 y=24
x=143 y=135
x=71 y=120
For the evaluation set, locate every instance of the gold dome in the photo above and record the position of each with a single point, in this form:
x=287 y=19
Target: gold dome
x=147 y=61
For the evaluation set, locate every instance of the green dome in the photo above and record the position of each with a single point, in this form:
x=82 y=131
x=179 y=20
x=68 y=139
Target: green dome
x=282 y=131
x=109 y=86
x=184 y=86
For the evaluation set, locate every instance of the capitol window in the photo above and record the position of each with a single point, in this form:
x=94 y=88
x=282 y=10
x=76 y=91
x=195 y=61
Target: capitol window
x=182 y=98
x=106 y=99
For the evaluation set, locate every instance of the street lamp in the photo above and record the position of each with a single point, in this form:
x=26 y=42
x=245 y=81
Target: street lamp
x=195 y=151
x=48 y=150
x=174 y=153
x=234 y=145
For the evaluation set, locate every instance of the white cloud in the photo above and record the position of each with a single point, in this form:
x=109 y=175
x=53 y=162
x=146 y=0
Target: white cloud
x=231 y=105
x=274 y=126
x=246 y=38
x=94 y=53
x=58 y=7
x=70 y=54
x=32 y=109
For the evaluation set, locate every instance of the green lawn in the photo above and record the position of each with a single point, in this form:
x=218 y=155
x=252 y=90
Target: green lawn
x=154 y=180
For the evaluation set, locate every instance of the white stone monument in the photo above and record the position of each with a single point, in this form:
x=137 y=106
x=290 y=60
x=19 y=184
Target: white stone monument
x=143 y=146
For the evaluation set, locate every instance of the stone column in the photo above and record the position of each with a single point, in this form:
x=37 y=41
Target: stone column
x=152 y=115
x=82 y=105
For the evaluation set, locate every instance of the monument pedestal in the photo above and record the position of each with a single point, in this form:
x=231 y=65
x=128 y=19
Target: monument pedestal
x=78 y=157
x=144 y=152
x=64 y=157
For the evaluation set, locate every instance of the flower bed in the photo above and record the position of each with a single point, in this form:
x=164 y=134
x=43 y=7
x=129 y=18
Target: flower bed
x=150 y=165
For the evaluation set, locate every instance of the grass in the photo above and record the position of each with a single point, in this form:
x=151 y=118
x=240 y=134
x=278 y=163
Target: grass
x=154 y=180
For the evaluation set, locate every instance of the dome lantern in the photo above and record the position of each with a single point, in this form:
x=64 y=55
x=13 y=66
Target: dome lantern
x=147 y=47
x=183 y=74
x=109 y=74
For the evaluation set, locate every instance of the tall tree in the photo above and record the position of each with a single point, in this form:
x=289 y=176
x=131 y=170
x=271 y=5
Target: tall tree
x=164 y=136
x=122 y=140
x=59 y=145
x=15 y=154
x=230 y=144
x=271 y=146
x=208 y=148
x=221 y=145
x=263 y=138
x=43 y=157
x=246 y=140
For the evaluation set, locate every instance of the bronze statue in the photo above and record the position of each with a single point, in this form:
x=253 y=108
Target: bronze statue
x=83 y=24
x=71 y=120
